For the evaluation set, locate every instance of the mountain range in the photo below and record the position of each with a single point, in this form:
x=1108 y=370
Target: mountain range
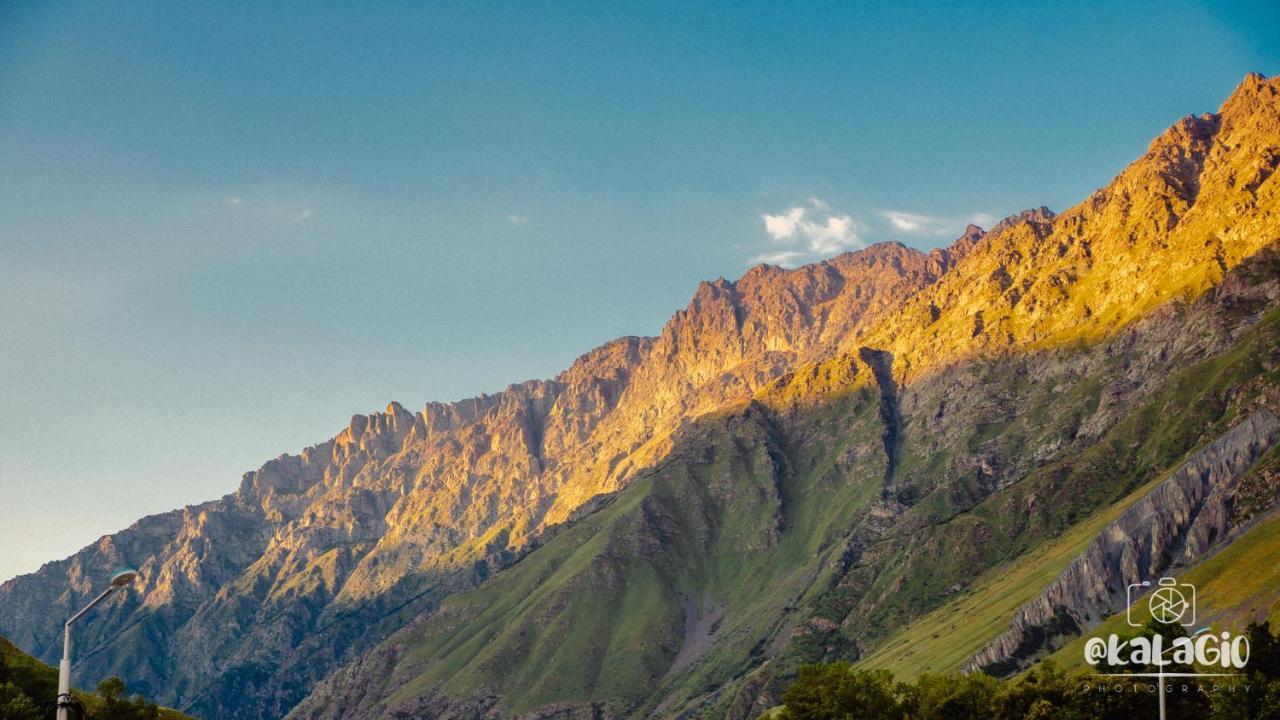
x=804 y=465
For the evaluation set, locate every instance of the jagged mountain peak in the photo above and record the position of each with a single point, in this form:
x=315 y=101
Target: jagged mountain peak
x=305 y=563
x=319 y=555
x=1254 y=91
x=1199 y=200
x=1033 y=216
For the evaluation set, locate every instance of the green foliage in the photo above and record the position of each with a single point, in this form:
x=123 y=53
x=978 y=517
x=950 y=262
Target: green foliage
x=21 y=682
x=28 y=675
x=1259 y=697
x=16 y=705
x=28 y=688
x=944 y=697
x=835 y=691
x=839 y=692
x=115 y=706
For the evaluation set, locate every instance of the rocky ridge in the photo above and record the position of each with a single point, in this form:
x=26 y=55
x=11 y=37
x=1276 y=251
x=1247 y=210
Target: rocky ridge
x=1201 y=199
x=792 y=491
x=999 y=427
x=315 y=557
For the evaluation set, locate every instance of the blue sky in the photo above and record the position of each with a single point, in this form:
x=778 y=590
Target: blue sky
x=227 y=227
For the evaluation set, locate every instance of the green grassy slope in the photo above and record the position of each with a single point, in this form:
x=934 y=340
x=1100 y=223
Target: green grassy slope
x=769 y=538
x=26 y=676
x=726 y=533
x=1234 y=587
x=944 y=638
x=1194 y=399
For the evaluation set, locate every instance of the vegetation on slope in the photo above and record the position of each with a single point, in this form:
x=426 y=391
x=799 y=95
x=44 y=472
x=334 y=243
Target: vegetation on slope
x=1028 y=529
x=701 y=587
x=28 y=689
x=836 y=691
x=1235 y=586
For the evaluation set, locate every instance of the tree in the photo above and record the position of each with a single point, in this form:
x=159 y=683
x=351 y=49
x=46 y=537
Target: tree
x=1257 y=697
x=116 y=707
x=111 y=690
x=1037 y=695
x=837 y=692
x=16 y=705
x=1045 y=692
x=1264 y=650
x=955 y=697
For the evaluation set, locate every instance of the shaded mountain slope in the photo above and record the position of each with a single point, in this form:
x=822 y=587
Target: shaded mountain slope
x=1173 y=526
x=247 y=600
x=957 y=397
x=945 y=639
x=984 y=453
x=769 y=537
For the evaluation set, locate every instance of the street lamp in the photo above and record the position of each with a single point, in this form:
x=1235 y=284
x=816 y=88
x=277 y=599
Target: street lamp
x=1160 y=668
x=119 y=580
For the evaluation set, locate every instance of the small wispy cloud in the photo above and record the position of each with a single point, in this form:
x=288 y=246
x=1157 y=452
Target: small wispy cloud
x=912 y=223
x=783 y=258
x=808 y=232
x=265 y=207
x=515 y=219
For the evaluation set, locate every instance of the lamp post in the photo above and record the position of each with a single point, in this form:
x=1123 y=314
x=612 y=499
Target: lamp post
x=119 y=580
x=1160 y=668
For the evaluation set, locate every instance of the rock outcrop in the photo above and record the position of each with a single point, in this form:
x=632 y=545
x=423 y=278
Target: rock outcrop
x=1026 y=380
x=248 y=601
x=1172 y=527
x=1201 y=199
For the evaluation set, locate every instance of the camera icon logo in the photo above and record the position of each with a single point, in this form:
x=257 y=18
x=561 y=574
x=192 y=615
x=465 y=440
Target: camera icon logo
x=1170 y=601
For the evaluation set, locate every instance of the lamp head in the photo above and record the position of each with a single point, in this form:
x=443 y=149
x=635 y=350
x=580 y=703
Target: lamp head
x=124 y=577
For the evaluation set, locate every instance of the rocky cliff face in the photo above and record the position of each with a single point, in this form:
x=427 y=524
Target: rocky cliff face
x=784 y=531
x=972 y=352
x=1202 y=198
x=246 y=601
x=1060 y=362
x=1172 y=527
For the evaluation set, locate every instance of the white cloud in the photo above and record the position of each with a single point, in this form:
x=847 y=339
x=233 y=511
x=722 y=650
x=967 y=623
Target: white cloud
x=836 y=234
x=518 y=219
x=811 y=230
x=784 y=258
x=783 y=227
x=808 y=232
x=912 y=223
x=909 y=222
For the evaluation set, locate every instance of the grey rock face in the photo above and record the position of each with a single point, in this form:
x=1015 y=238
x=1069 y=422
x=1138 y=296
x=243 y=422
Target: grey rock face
x=247 y=601
x=1175 y=524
